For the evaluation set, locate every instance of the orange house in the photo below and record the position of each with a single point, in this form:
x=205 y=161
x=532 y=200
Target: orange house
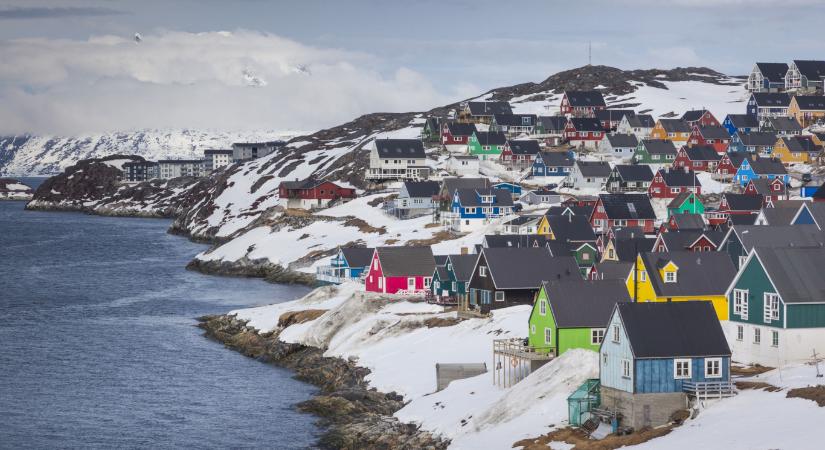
x=796 y=149
x=674 y=130
x=807 y=109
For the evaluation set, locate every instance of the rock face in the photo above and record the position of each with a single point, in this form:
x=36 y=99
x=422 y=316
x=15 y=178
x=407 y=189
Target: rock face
x=355 y=416
x=256 y=269
x=11 y=189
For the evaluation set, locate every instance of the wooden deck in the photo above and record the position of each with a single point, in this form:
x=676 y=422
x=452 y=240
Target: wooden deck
x=514 y=360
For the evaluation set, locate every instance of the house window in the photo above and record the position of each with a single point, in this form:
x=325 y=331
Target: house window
x=681 y=368
x=626 y=373
x=774 y=338
x=532 y=329
x=757 y=336
x=616 y=335
x=455 y=287
x=742 y=260
x=610 y=253
x=643 y=276
x=380 y=282
x=436 y=285
x=548 y=336
x=713 y=368
x=670 y=277
x=596 y=336
x=771 y=311
x=499 y=296
x=542 y=307
x=740 y=332
x=620 y=222
x=740 y=303
x=585 y=256
x=604 y=359
x=482 y=271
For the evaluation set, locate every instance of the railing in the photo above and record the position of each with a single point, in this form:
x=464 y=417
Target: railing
x=330 y=274
x=703 y=390
x=516 y=347
x=413 y=292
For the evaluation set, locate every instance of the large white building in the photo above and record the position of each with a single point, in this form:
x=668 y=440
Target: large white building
x=173 y=168
x=215 y=159
x=244 y=151
x=398 y=159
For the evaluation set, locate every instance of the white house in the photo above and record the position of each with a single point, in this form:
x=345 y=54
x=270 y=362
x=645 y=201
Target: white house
x=398 y=159
x=639 y=125
x=463 y=165
x=521 y=225
x=619 y=145
x=589 y=175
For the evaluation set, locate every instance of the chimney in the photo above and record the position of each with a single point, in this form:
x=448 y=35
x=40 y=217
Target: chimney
x=464 y=251
x=687 y=169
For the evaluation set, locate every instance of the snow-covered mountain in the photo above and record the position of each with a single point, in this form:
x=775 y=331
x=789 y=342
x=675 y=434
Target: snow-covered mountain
x=46 y=155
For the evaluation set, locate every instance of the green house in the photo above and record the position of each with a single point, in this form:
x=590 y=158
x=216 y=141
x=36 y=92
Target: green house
x=573 y=314
x=487 y=144
x=450 y=280
x=431 y=131
x=655 y=151
x=585 y=253
x=685 y=202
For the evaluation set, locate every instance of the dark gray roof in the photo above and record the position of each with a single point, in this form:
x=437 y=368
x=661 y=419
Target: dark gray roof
x=521 y=220
x=743 y=120
x=800 y=144
x=584 y=304
x=767 y=99
x=514 y=240
x=702 y=153
x=768 y=166
x=491 y=137
x=559 y=248
x=461 y=129
x=614 y=115
x=713 y=132
x=400 y=148
x=743 y=202
x=552 y=123
x=557 y=159
x=307 y=183
x=641 y=121
x=742 y=219
x=571 y=228
x=585 y=98
x=758 y=138
x=736 y=158
x=673 y=329
x=773 y=72
x=659 y=146
x=404 y=261
x=787 y=124
x=779 y=216
x=526 y=268
x=699 y=273
x=811 y=69
x=627 y=232
x=675 y=125
x=634 y=172
x=358 y=256
x=689 y=221
x=422 y=188
x=623 y=140
x=514 y=119
x=693 y=115
x=611 y=270
x=680 y=240
x=751 y=236
x=525 y=147
x=441 y=260
x=441 y=271
x=763 y=187
x=489 y=108
x=679 y=177
x=452 y=183
x=817 y=210
x=811 y=102
x=574 y=209
x=594 y=169
x=627 y=249
x=795 y=272
x=586 y=124
x=627 y=206
x=471 y=197
x=463 y=266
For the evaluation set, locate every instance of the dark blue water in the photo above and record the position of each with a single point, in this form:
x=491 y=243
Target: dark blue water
x=98 y=344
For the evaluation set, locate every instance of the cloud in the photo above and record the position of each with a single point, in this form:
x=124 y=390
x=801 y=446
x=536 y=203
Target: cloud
x=195 y=80
x=56 y=12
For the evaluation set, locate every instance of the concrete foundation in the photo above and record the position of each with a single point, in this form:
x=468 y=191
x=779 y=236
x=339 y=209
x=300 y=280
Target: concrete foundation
x=447 y=373
x=643 y=410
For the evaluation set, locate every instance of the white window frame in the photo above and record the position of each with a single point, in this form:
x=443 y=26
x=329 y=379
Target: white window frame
x=742 y=260
x=482 y=271
x=740 y=333
x=627 y=369
x=617 y=335
x=670 y=277
x=682 y=369
x=774 y=338
x=596 y=336
x=542 y=307
x=499 y=298
x=548 y=335
x=643 y=276
x=411 y=283
x=713 y=367
x=740 y=303
x=757 y=336
x=771 y=307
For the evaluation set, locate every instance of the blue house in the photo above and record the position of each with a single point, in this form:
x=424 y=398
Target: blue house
x=348 y=264
x=655 y=357
x=740 y=123
x=757 y=167
x=759 y=142
x=810 y=213
x=553 y=164
x=473 y=208
x=762 y=105
x=513 y=188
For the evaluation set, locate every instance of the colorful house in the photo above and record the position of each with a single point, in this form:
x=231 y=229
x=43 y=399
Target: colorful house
x=771 y=190
x=740 y=123
x=685 y=202
x=668 y=183
x=581 y=103
x=739 y=240
x=450 y=280
x=689 y=240
x=487 y=144
x=348 y=264
x=550 y=129
x=519 y=154
x=767 y=77
x=583 y=132
x=514 y=124
x=639 y=125
x=764 y=105
x=701 y=158
x=312 y=193
x=623 y=210
x=684 y=221
x=482 y=112
x=610 y=118
x=805 y=76
x=655 y=151
x=710 y=135
x=729 y=165
x=657 y=358
x=700 y=117
x=674 y=130
x=756 y=167
x=472 y=208
x=681 y=276
x=431 y=131
x=553 y=164
x=758 y=142
x=782 y=126
x=796 y=150
x=573 y=314
x=810 y=214
x=629 y=178
x=621 y=145
x=807 y=109
x=455 y=136
x=400 y=270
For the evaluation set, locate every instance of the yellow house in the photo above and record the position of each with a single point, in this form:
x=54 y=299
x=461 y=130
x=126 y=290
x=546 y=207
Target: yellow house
x=610 y=253
x=682 y=276
x=544 y=227
x=807 y=109
x=674 y=130
x=795 y=149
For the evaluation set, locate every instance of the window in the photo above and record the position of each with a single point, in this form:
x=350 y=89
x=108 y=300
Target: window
x=482 y=271
x=771 y=310
x=757 y=336
x=380 y=282
x=616 y=335
x=542 y=307
x=548 y=336
x=596 y=336
x=499 y=296
x=610 y=253
x=436 y=285
x=740 y=303
x=626 y=373
x=455 y=286
x=675 y=190
x=532 y=329
x=643 y=276
x=604 y=359
x=742 y=260
x=427 y=281
x=681 y=369
x=774 y=338
x=740 y=332
x=670 y=277
x=620 y=222
x=713 y=368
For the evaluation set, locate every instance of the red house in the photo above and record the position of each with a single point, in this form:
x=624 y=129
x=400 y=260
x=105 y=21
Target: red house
x=623 y=210
x=582 y=131
x=712 y=135
x=400 y=270
x=457 y=133
x=728 y=165
x=698 y=157
x=312 y=193
x=671 y=182
x=734 y=205
x=692 y=241
x=582 y=103
x=700 y=117
x=771 y=190
x=519 y=153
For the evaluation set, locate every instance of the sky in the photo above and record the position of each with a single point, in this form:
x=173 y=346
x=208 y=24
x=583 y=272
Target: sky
x=74 y=66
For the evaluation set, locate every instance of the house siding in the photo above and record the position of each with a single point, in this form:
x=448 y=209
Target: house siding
x=755 y=280
x=656 y=375
x=611 y=370
x=805 y=316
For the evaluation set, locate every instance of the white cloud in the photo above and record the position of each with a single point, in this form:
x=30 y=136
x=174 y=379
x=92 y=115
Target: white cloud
x=195 y=80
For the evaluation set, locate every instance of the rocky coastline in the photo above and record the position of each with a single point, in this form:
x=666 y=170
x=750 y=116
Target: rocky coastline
x=245 y=267
x=353 y=415
x=14 y=190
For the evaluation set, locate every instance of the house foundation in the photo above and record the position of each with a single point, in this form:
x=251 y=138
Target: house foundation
x=642 y=410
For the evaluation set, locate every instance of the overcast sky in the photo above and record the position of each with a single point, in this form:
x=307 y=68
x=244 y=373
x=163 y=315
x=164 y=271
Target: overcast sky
x=71 y=66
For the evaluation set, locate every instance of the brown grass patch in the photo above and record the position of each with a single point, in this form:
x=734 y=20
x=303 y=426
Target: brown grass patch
x=756 y=385
x=749 y=371
x=378 y=200
x=297 y=212
x=363 y=226
x=432 y=225
x=293 y=317
x=814 y=393
x=391 y=241
x=435 y=239
x=438 y=322
x=581 y=441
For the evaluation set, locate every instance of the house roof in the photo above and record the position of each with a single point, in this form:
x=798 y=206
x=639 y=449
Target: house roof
x=575 y=209
x=556 y=123
x=557 y=159
x=544 y=191
x=514 y=240
x=763 y=187
x=452 y=183
x=817 y=210
x=779 y=216
x=767 y=166
x=673 y=329
x=526 y=268
x=743 y=202
x=751 y=236
x=586 y=124
x=736 y=158
x=641 y=121
x=767 y=99
x=634 y=172
x=689 y=221
x=774 y=72
x=514 y=119
x=683 y=238
x=525 y=147
x=623 y=140
x=810 y=102
x=675 y=125
x=461 y=129
x=614 y=115
x=787 y=124
x=743 y=120
x=402 y=148
x=307 y=183
x=613 y=270
x=571 y=228
x=595 y=169
x=627 y=249
x=795 y=272
x=659 y=146
x=489 y=108
x=811 y=69
x=521 y=220
x=358 y=256
x=471 y=197
x=702 y=153
x=404 y=261
x=758 y=138
x=580 y=303
x=441 y=272
x=627 y=232
x=627 y=206
x=742 y=219
x=677 y=177
x=801 y=144
x=713 y=132
x=441 y=260
x=693 y=115
x=463 y=266
x=699 y=273
x=422 y=188
x=491 y=137
x=559 y=248
x=585 y=98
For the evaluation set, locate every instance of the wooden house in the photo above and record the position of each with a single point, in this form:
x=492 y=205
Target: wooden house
x=589 y=174
x=710 y=135
x=450 y=184
x=695 y=240
x=756 y=142
x=415 y=199
x=685 y=202
x=657 y=358
x=767 y=77
x=638 y=125
x=805 y=76
x=682 y=276
x=513 y=188
x=771 y=190
x=482 y=112
x=728 y=165
x=778 y=212
x=756 y=167
x=463 y=165
x=553 y=164
x=700 y=158
x=581 y=103
x=764 y=105
x=431 y=130
x=570 y=228
x=455 y=135
x=739 y=240
x=625 y=249
x=473 y=208
x=655 y=151
x=629 y=178
x=583 y=132
x=623 y=210
x=700 y=117
x=349 y=263
x=610 y=118
x=449 y=283
x=669 y=183
x=807 y=109
x=620 y=145
x=519 y=154
x=573 y=314
x=397 y=159
x=400 y=270
x=487 y=144
x=684 y=221
x=526 y=224
x=674 y=130
x=540 y=196
x=740 y=204
x=312 y=193
x=740 y=123
x=782 y=126
x=514 y=124
x=550 y=129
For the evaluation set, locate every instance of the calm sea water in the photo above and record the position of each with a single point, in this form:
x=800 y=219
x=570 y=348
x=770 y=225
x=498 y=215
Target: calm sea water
x=98 y=344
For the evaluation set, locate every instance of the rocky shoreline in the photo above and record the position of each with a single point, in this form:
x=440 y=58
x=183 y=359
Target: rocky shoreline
x=245 y=267
x=354 y=415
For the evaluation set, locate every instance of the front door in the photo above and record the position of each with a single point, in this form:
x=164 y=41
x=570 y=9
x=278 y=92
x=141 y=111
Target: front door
x=411 y=284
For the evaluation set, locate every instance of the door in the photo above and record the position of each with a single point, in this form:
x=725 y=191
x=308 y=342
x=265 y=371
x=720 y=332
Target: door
x=411 y=284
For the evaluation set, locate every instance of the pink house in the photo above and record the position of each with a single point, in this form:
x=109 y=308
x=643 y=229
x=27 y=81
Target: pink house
x=400 y=270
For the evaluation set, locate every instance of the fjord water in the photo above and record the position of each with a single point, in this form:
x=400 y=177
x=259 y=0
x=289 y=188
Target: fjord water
x=98 y=344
